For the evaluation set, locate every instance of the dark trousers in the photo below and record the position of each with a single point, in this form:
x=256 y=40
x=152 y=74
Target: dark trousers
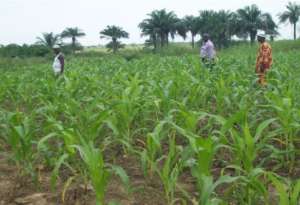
x=208 y=63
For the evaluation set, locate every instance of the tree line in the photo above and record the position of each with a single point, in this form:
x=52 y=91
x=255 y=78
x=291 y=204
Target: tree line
x=161 y=25
x=222 y=25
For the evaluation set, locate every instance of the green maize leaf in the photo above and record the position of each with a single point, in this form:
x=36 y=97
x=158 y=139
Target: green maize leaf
x=119 y=171
x=295 y=196
x=262 y=126
x=55 y=172
x=281 y=190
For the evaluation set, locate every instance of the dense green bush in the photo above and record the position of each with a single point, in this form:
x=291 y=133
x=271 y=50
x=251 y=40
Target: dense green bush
x=14 y=50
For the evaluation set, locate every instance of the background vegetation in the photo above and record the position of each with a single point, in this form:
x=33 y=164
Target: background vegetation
x=224 y=27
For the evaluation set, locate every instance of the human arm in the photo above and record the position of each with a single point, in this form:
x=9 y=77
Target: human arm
x=62 y=63
x=259 y=60
x=203 y=51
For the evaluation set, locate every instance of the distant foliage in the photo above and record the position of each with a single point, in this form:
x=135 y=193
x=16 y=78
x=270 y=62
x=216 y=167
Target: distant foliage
x=73 y=34
x=292 y=15
x=34 y=50
x=251 y=19
x=14 y=50
x=114 y=33
x=222 y=26
x=49 y=40
x=159 y=26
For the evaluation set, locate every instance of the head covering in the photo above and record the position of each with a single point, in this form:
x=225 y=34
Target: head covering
x=261 y=36
x=56 y=47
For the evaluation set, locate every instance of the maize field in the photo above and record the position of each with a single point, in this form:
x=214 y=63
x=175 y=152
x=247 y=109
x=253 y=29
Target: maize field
x=158 y=130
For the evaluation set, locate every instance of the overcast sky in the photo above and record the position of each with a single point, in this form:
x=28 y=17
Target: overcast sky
x=21 y=21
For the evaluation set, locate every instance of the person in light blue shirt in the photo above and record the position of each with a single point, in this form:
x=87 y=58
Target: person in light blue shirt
x=207 y=51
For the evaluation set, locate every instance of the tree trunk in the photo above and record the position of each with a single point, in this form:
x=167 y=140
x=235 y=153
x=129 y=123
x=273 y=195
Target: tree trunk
x=167 y=38
x=295 y=31
x=252 y=36
x=114 y=45
x=193 y=41
x=162 y=39
x=154 y=41
x=73 y=43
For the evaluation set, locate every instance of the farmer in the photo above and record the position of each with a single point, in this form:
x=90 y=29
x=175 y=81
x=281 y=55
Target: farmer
x=207 y=52
x=264 y=59
x=59 y=61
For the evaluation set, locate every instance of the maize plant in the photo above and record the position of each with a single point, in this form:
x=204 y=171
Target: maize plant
x=170 y=170
x=97 y=170
x=19 y=136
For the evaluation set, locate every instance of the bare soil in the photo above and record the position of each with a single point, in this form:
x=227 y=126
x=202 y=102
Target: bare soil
x=17 y=190
x=20 y=190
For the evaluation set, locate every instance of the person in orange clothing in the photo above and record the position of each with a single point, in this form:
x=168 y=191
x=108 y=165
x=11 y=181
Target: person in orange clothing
x=264 y=59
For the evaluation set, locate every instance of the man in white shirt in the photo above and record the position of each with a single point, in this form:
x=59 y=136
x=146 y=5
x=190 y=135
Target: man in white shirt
x=207 y=52
x=59 y=61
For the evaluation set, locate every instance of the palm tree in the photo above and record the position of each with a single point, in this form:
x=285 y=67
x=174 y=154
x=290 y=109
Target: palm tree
x=234 y=25
x=224 y=25
x=114 y=33
x=193 y=26
x=181 y=28
x=251 y=19
x=292 y=15
x=48 y=39
x=72 y=33
x=160 y=25
x=206 y=22
x=221 y=25
x=149 y=28
x=269 y=26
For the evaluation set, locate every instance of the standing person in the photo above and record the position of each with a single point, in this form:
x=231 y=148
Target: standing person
x=59 y=61
x=207 y=52
x=264 y=59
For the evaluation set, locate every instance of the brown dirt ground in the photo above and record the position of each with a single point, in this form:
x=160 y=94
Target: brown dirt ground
x=16 y=190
